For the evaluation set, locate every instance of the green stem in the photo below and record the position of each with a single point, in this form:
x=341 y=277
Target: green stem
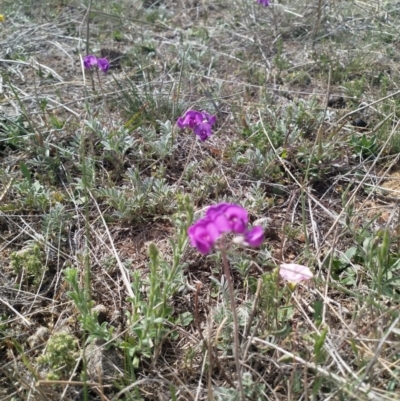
x=236 y=345
x=187 y=161
x=101 y=86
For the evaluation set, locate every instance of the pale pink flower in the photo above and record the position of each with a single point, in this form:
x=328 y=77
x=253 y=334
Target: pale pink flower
x=295 y=273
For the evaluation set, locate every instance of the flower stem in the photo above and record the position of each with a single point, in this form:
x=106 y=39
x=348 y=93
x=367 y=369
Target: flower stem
x=236 y=345
x=187 y=161
x=101 y=87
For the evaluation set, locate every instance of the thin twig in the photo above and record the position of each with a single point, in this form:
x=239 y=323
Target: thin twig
x=26 y=321
x=122 y=269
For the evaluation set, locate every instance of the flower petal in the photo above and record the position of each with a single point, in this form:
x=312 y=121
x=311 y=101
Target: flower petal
x=229 y=217
x=203 y=235
x=295 y=273
x=203 y=131
x=255 y=237
x=215 y=210
x=222 y=223
x=181 y=123
x=89 y=61
x=238 y=218
x=103 y=64
x=208 y=118
x=190 y=119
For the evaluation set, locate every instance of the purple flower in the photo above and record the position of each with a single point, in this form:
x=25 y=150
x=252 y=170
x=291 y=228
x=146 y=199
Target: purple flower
x=264 y=2
x=220 y=219
x=203 y=235
x=199 y=122
x=203 y=131
x=233 y=218
x=190 y=119
x=89 y=61
x=208 y=118
x=216 y=210
x=254 y=237
x=103 y=64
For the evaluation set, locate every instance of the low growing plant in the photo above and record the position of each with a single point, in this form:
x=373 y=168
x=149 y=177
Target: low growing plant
x=151 y=314
x=60 y=356
x=29 y=262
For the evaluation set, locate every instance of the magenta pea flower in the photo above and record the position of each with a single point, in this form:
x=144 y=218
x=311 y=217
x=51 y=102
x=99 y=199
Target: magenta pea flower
x=232 y=218
x=190 y=119
x=89 y=61
x=203 y=131
x=199 y=122
x=264 y=2
x=254 y=237
x=216 y=210
x=103 y=64
x=208 y=118
x=295 y=273
x=220 y=219
x=203 y=235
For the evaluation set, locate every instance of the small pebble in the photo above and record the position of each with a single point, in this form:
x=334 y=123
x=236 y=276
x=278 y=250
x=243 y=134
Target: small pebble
x=336 y=102
x=359 y=122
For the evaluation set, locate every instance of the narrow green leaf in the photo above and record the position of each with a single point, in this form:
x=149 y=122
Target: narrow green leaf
x=25 y=172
